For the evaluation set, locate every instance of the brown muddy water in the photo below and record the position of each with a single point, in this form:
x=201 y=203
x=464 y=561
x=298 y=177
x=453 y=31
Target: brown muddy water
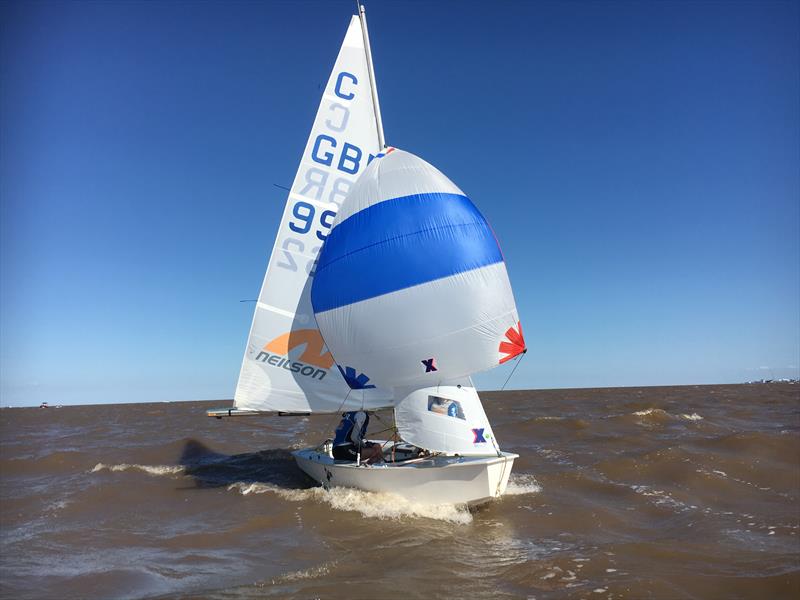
x=672 y=492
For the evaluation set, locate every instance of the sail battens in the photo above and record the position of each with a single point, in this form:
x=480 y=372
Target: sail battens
x=318 y=203
x=275 y=310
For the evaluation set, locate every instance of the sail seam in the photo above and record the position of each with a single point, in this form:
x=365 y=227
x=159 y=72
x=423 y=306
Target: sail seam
x=473 y=326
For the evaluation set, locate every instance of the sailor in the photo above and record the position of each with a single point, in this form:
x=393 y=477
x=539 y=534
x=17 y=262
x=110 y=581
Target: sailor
x=349 y=438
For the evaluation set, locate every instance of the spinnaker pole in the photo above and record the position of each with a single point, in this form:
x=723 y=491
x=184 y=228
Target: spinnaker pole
x=362 y=14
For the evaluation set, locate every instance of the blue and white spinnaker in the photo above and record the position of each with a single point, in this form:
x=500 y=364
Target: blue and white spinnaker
x=410 y=287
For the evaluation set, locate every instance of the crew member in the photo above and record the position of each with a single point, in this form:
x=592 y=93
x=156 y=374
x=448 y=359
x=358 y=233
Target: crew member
x=349 y=438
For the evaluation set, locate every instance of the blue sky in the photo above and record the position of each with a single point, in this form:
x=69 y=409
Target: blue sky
x=639 y=162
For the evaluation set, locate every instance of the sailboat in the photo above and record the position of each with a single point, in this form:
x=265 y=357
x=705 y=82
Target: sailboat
x=386 y=289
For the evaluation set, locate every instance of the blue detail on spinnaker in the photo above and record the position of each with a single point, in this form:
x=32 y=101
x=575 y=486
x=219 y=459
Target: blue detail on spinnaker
x=400 y=243
x=356 y=382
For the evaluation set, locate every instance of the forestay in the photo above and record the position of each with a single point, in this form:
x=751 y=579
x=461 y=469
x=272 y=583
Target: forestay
x=411 y=288
x=286 y=366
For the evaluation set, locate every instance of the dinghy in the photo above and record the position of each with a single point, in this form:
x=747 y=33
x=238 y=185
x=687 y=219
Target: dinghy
x=386 y=289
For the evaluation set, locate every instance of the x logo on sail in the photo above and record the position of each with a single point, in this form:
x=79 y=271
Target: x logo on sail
x=479 y=439
x=430 y=365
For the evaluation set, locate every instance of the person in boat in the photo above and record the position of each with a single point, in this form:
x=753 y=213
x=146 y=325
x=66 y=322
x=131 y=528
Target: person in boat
x=349 y=438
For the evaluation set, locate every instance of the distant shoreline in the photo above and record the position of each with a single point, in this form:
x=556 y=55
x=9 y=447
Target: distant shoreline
x=583 y=390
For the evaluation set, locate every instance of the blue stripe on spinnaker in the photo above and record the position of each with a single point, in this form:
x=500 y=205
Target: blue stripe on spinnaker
x=400 y=243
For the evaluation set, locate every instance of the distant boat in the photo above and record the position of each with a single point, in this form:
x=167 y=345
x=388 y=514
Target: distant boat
x=44 y=405
x=386 y=289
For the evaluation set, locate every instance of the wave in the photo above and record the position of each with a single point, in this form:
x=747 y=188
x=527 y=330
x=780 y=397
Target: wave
x=662 y=413
x=557 y=422
x=310 y=573
x=149 y=469
x=659 y=415
x=46 y=462
x=376 y=505
x=692 y=417
x=522 y=483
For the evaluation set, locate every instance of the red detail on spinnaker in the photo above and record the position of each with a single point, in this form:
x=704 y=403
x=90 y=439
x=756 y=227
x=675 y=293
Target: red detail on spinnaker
x=515 y=344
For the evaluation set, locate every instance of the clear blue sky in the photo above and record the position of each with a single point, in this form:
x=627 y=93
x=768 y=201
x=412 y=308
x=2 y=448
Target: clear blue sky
x=639 y=162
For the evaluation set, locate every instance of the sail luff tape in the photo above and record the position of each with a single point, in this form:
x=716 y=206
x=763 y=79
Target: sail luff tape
x=371 y=70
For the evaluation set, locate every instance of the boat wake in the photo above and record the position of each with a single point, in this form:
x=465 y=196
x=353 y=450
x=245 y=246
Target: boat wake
x=149 y=469
x=382 y=505
x=370 y=504
x=275 y=472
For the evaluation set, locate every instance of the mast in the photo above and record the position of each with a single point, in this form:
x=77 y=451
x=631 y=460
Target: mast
x=362 y=14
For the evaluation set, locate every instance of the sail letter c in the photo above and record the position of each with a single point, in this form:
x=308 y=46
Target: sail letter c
x=327 y=158
x=338 y=88
x=345 y=112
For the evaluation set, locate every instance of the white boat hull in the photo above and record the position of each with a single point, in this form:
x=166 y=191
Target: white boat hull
x=468 y=480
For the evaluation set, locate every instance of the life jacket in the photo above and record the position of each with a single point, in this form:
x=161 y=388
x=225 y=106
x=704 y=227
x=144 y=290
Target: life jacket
x=344 y=431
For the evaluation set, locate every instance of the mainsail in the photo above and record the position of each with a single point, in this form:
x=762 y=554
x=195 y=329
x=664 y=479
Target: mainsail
x=287 y=366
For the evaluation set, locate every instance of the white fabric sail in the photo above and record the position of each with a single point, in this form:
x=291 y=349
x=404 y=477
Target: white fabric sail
x=286 y=366
x=411 y=288
x=446 y=418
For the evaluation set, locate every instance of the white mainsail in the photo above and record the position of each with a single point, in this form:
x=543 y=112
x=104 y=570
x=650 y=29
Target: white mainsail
x=287 y=366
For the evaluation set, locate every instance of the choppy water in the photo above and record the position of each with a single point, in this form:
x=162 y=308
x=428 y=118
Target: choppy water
x=682 y=492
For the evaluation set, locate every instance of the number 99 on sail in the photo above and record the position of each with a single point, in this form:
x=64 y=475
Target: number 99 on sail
x=303 y=220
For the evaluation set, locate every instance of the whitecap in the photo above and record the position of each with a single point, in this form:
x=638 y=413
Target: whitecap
x=522 y=483
x=692 y=417
x=149 y=469
x=57 y=505
x=311 y=573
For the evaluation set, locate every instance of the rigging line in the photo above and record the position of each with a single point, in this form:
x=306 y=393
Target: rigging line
x=382 y=431
x=382 y=422
x=500 y=481
x=361 y=439
x=395 y=436
x=519 y=360
x=339 y=410
x=392 y=427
